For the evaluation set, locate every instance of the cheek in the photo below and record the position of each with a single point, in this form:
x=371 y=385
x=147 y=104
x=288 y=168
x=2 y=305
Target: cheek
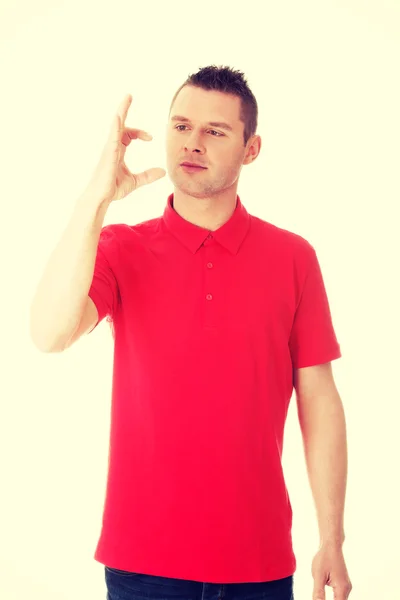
x=171 y=152
x=173 y=149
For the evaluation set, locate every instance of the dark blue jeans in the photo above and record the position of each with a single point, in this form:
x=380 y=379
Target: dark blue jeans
x=124 y=585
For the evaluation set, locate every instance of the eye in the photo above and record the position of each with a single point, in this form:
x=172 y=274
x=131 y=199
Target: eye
x=217 y=132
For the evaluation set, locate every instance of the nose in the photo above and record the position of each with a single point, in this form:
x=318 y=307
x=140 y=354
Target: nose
x=192 y=143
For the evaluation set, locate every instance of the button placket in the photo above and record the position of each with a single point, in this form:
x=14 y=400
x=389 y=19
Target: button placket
x=209 y=292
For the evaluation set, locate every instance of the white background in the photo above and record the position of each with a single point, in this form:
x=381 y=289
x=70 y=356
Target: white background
x=326 y=78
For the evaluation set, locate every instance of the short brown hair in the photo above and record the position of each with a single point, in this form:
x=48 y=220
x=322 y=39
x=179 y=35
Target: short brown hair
x=230 y=81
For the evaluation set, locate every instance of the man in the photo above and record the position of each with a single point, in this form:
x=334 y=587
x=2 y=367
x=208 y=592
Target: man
x=216 y=316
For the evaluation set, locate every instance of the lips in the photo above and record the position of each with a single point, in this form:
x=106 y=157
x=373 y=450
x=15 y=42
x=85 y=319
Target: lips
x=187 y=164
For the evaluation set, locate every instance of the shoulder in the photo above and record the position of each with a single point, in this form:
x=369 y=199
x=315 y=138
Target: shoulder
x=129 y=234
x=283 y=241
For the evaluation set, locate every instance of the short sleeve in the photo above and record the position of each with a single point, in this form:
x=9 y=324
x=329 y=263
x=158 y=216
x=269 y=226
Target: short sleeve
x=313 y=340
x=104 y=289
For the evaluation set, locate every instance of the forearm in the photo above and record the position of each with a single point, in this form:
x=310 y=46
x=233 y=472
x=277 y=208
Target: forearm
x=324 y=437
x=61 y=294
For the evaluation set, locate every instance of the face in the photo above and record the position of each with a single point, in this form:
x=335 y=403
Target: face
x=220 y=150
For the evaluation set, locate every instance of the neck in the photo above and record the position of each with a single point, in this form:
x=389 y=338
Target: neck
x=209 y=213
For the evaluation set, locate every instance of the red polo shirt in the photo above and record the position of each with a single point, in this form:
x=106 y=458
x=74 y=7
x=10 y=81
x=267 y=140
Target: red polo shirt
x=207 y=329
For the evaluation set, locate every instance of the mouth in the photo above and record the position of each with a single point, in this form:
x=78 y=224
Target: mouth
x=191 y=168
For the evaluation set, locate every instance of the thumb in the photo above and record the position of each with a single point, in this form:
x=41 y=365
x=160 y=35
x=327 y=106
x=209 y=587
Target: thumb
x=149 y=176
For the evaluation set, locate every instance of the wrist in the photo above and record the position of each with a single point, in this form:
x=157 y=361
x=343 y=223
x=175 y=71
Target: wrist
x=331 y=542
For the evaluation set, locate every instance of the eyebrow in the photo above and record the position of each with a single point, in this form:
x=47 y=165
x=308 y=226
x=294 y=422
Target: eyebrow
x=219 y=124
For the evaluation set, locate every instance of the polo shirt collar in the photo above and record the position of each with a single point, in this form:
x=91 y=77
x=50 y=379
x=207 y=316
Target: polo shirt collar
x=230 y=235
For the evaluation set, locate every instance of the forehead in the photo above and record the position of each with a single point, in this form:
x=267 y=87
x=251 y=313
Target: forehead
x=201 y=105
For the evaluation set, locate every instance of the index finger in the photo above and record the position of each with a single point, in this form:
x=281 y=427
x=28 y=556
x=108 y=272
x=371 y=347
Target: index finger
x=123 y=109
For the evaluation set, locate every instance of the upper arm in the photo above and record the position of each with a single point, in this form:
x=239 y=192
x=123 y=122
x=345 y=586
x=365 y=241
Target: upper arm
x=89 y=320
x=312 y=338
x=313 y=382
x=316 y=395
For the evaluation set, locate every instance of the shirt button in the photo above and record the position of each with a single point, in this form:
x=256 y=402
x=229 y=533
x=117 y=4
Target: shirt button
x=209 y=236
x=209 y=297
x=209 y=265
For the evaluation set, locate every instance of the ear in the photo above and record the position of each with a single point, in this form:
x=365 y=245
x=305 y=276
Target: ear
x=253 y=149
